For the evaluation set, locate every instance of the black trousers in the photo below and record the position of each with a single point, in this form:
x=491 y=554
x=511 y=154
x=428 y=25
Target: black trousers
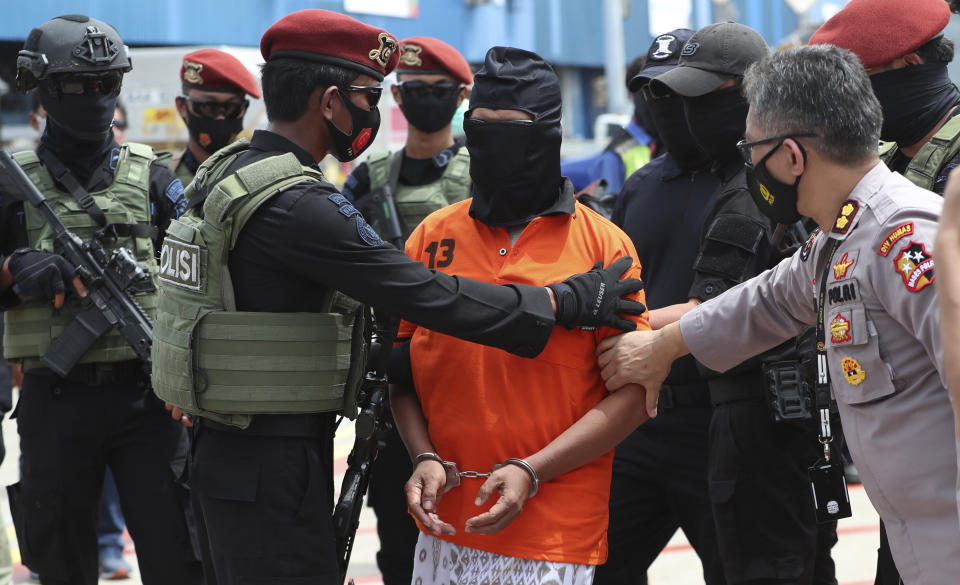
x=397 y=531
x=69 y=431
x=659 y=485
x=762 y=504
x=267 y=505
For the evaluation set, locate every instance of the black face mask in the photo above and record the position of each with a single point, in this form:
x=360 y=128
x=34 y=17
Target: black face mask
x=84 y=117
x=363 y=129
x=717 y=122
x=212 y=134
x=667 y=114
x=914 y=99
x=776 y=199
x=644 y=117
x=429 y=113
x=515 y=167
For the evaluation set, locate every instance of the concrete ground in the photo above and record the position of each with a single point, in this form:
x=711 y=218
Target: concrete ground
x=855 y=554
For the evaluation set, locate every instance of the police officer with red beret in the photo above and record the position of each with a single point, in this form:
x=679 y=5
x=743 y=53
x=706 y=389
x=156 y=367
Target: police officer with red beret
x=251 y=334
x=212 y=106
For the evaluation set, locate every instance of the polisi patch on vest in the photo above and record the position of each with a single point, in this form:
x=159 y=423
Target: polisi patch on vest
x=180 y=264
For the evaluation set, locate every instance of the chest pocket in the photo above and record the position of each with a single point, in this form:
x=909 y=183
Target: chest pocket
x=857 y=372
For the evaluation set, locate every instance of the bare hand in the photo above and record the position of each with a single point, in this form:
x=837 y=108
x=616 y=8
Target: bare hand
x=177 y=414
x=635 y=358
x=513 y=483
x=423 y=490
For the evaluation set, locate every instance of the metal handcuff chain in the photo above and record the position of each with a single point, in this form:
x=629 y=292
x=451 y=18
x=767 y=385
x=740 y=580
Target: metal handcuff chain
x=454 y=475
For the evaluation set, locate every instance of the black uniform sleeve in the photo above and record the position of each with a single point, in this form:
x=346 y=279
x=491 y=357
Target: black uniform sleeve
x=358 y=183
x=736 y=244
x=314 y=233
x=166 y=197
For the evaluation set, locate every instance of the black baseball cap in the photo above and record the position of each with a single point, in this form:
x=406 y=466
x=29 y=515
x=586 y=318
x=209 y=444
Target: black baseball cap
x=714 y=54
x=663 y=55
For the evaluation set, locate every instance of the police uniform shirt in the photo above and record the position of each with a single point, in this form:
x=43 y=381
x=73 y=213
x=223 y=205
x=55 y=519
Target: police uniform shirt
x=883 y=351
x=662 y=208
x=413 y=171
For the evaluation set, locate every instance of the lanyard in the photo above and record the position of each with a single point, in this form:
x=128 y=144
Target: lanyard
x=822 y=392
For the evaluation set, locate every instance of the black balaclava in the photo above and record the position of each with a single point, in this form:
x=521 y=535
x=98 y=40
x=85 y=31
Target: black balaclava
x=717 y=121
x=675 y=135
x=515 y=166
x=914 y=99
x=644 y=117
x=78 y=129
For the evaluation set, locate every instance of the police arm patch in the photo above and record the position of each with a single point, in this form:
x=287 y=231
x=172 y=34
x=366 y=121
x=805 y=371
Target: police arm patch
x=915 y=266
x=174 y=192
x=901 y=231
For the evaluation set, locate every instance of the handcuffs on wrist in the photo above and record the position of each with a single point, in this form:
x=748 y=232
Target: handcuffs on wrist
x=454 y=474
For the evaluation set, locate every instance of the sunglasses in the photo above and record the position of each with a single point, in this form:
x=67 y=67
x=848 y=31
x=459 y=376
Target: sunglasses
x=229 y=110
x=746 y=148
x=107 y=83
x=417 y=89
x=372 y=92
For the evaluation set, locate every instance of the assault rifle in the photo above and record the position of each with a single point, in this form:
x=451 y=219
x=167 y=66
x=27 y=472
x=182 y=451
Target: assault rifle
x=110 y=279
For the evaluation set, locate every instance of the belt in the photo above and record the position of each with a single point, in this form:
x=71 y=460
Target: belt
x=748 y=386
x=127 y=372
x=684 y=395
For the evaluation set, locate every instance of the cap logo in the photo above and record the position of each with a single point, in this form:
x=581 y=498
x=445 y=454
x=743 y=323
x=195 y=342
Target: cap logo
x=410 y=55
x=191 y=72
x=96 y=47
x=383 y=53
x=665 y=47
x=689 y=49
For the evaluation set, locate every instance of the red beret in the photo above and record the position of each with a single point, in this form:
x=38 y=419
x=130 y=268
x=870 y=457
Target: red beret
x=429 y=55
x=214 y=70
x=330 y=37
x=879 y=31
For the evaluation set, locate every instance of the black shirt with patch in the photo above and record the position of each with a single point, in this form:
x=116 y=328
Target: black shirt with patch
x=413 y=171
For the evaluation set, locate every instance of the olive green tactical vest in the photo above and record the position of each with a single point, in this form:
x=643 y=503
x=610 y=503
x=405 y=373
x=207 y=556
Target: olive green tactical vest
x=414 y=203
x=31 y=327
x=227 y=365
x=633 y=154
x=922 y=169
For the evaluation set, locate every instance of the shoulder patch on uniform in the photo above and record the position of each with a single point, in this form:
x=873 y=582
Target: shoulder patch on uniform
x=348 y=210
x=844 y=265
x=174 y=192
x=847 y=213
x=367 y=233
x=805 y=251
x=915 y=265
x=338 y=199
x=901 y=231
x=114 y=159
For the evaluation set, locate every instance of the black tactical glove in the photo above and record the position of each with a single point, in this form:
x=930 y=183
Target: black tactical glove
x=39 y=276
x=593 y=299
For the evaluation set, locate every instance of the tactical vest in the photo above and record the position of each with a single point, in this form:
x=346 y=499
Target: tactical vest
x=227 y=365
x=31 y=327
x=923 y=168
x=414 y=203
x=633 y=154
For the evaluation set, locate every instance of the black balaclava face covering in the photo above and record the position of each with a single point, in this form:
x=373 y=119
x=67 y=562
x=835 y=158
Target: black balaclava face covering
x=914 y=99
x=776 y=199
x=644 y=117
x=429 y=113
x=84 y=117
x=363 y=129
x=212 y=135
x=717 y=121
x=667 y=114
x=515 y=166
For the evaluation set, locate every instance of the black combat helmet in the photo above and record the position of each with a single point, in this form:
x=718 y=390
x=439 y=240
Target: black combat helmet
x=70 y=44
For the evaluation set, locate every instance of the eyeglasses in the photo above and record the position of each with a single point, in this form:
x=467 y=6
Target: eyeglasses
x=106 y=83
x=230 y=110
x=746 y=148
x=372 y=92
x=417 y=89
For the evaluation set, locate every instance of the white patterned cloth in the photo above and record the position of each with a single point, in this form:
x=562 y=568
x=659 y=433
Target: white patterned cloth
x=438 y=562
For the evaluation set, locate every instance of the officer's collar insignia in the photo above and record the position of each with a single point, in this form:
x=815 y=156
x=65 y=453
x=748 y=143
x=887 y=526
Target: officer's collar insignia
x=665 y=47
x=191 y=72
x=852 y=372
x=410 y=55
x=901 y=231
x=96 y=47
x=805 y=252
x=840 y=330
x=383 y=53
x=847 y=213
x=915 y=265
x=843 y=265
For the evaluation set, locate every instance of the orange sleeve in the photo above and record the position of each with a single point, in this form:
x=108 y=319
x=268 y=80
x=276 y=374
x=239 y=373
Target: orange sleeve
x=414 y=249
